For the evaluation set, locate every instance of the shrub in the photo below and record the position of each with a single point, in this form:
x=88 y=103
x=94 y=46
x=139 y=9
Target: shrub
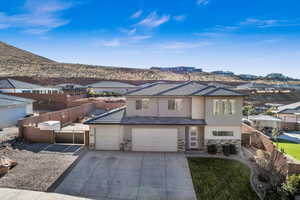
x=292 y=185
x=276 y=193
x=212 y=149
x=226 y=150
x=232 y=149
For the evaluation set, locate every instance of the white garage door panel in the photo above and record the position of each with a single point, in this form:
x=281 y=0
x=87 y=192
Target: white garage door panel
x=154 y=139
x=108 y=138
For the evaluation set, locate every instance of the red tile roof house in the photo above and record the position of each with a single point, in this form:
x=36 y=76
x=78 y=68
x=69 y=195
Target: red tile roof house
x=171 y=117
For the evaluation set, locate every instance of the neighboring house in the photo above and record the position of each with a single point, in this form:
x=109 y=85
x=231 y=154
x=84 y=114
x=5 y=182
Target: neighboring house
x=265 y=123
x=217 y=84
x=111 y=86
x=73 y=89
x=290 y=112
x=178 y=69
x=12 y=109
x=15 y=86
x=171 y=117
x=254 y=86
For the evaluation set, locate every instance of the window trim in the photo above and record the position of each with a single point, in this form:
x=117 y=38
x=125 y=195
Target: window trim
x=142 y=104
x=177 y=103
x=223 y=133
x=224 y=107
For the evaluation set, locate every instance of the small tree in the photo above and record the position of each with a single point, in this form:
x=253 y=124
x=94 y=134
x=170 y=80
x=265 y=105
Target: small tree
x=249 y=110
x=275 y=134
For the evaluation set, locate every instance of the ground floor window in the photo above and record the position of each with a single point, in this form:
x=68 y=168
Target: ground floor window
x=222 y=133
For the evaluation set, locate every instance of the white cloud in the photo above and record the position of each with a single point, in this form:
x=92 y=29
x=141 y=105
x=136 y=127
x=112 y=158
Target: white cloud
x=140 y=37
x=185 y=45
x=209 y=34
x=154 y=20
x=38 y=17
x=136 y=14
x=112 y=43
x=202 y=2
x=128 y=31
x=179 y=18
x=261 y=22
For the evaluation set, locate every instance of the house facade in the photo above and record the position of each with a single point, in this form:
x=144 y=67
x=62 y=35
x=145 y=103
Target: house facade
x=16 y=86
x=171 y=117
x=12 y=109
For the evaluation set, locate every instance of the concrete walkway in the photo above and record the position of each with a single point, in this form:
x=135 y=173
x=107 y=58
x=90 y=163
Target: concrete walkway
x=13 y=194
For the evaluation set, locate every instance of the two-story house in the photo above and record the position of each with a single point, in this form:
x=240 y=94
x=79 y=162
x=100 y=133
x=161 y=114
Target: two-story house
x=171 y=117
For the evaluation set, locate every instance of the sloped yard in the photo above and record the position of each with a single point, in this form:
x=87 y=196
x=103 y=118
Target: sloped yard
x=289 y=147
x=219 y=179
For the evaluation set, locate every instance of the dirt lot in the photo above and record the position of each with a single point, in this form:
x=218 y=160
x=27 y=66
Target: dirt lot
x=39 y=165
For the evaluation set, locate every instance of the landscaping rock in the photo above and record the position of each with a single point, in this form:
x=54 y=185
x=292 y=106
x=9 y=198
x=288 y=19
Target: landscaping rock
x=3 y=170
x=6 y=162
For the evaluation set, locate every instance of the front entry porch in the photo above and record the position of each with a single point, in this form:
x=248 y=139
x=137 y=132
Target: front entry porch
x=194 y=138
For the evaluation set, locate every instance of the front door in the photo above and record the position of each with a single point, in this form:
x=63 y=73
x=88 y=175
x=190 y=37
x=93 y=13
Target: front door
x=193 y=138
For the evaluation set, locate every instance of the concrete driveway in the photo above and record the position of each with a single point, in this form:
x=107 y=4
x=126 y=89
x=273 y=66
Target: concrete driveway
x=130 y=175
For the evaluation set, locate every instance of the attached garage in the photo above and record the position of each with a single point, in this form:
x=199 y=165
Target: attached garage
x=108 y=137
x=154 y=139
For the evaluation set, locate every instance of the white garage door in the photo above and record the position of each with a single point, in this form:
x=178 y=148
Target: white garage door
x=159 y=139
x=108 y=137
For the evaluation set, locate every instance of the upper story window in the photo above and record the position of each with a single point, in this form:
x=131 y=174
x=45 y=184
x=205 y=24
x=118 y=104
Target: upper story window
x=174 y=104
x=222 y=133
x=224 y=107
x=142 y=104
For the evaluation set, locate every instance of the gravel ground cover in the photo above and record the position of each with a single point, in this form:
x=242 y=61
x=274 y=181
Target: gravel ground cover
x=37 y=169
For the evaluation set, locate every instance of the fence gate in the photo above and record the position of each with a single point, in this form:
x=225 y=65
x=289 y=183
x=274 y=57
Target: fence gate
x=69 y=137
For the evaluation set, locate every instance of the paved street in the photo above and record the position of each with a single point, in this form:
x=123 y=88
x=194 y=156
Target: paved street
x=130 y=175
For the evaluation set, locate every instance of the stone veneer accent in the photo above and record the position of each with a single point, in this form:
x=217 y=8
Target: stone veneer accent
x=220 y=142
x=181 y=141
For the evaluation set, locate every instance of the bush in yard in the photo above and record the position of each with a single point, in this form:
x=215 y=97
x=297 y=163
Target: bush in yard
x=292 y=185
x=232 y=149
x=212 y=149
x=226 y=150
x=276 y=193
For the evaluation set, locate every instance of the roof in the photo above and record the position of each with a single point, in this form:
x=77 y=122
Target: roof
x=117 y=116
x=290 y=108
x=145 y=120
x=15 y=84
x=153 y=89
x=112 y=84
x=6 y=100
x=112 y=117
x=183 y=89
x=263 y=118
x=223 y=92
x=190 y=88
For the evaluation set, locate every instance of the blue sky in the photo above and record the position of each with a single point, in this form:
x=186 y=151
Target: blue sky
x=244 y=36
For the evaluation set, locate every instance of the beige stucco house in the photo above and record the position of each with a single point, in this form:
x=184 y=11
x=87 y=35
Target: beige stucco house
x=171 y=117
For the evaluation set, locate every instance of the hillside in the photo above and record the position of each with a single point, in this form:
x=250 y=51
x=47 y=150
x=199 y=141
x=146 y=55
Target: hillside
x=10 y=55
x=17 y=62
